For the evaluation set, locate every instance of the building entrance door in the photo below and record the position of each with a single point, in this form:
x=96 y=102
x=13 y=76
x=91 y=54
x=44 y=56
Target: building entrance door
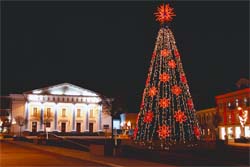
x=91 y=127
x=78 y=127
x=34 y=126
x=63 y=127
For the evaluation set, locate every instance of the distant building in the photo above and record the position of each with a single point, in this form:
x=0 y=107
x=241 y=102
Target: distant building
x=61 y=108
x=206 y=120
x=233 y=109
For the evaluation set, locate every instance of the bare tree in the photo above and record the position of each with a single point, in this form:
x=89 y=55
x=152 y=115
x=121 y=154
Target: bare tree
x=114 y=107
x=20 y=121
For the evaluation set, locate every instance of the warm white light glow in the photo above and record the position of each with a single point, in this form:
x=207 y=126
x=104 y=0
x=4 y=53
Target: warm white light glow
x=239 y=108
x=243 y=117
x=223 y=133
x=13 y=121
x=56 y=92
x=247 y=131
x=237 y=132
x=129 y=124
x=37 y=91
x=33 y=98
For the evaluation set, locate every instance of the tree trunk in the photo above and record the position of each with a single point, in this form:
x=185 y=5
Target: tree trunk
x=20 y=131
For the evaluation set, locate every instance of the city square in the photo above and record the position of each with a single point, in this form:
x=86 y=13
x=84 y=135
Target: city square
x=125 y=84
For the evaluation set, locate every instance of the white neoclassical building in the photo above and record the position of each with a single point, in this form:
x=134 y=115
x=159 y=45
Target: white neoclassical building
x=61 y=108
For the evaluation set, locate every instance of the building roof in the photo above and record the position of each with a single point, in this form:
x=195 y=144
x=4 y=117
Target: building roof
x=207 y=110
x=234 y=94
x=65 y=89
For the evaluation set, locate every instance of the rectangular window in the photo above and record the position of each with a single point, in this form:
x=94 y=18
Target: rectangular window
x=64 y=112
x=78 y=113
x=34 y=114
x=91 y=113
x=48 y=113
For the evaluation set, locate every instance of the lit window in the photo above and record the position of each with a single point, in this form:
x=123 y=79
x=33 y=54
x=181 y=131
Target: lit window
x=78 y=113
x=34 y=114
x=91 y=113
x=48 y=113
x=63 y=112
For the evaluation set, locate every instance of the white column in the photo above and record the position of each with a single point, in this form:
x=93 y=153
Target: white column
x=74 y=117
x=27 y=128
x=100 y=118
x=87 y=118
x=55 y=117
x=41 y=117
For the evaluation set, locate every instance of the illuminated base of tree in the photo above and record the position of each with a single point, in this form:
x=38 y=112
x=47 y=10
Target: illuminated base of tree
x=167 y=145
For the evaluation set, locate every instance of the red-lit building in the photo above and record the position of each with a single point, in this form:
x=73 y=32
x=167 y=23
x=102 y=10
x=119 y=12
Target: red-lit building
x=233 y=109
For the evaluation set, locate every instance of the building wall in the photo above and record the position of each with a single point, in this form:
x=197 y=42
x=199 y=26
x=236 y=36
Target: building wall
x=57 y=113
x=206 y=120
x=18 y=108
x=229 y=107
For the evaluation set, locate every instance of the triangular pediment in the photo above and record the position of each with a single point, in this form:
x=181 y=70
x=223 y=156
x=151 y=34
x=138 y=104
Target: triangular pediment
x=65 y=89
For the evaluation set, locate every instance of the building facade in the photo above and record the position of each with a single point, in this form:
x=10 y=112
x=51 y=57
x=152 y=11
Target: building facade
x=60 y=108
x=233 y=109
x=207 y=123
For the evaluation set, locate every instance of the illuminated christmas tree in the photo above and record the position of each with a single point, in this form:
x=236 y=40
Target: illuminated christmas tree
x=167 y=114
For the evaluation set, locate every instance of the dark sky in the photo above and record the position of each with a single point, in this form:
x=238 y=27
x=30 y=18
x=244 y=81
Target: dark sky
x=107 y=46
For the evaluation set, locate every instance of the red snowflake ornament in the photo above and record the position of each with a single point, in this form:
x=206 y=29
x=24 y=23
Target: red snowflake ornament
x=164 y=131
x=176 y=53
x=165 y=52
x=180 y=116
x=183 y=78
x=152 y=91
x=164 y=102
x=197 y=132
x=164 y=77
x=190 y=104
x=148 y=117
x=176 y=90
x=171 y=64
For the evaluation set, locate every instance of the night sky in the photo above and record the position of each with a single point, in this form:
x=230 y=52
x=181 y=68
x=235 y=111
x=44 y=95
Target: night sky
x=107 y=46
